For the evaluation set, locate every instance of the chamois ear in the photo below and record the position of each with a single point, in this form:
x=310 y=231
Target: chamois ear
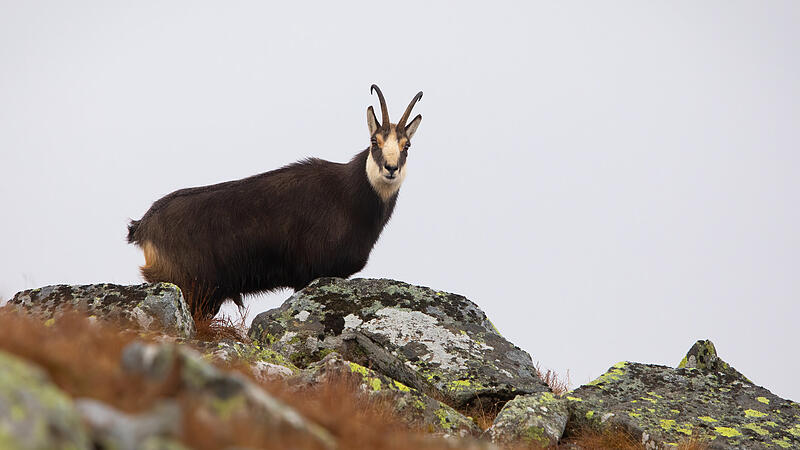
x=412 y=127
x=372 y=121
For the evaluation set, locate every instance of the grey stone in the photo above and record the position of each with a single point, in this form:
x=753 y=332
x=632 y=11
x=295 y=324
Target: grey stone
x=34 y=413
x=538 y=419
x=114 y=429
x=149 y=307
x=412 y=406
x=663 y=406
x=224 y=395
x=433 y=341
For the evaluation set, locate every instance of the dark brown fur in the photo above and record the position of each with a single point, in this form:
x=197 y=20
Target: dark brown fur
x=279 y=229
x=282 y=228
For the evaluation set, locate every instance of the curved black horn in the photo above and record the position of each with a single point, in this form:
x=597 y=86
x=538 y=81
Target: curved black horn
x=384 y=109
x=402 y=122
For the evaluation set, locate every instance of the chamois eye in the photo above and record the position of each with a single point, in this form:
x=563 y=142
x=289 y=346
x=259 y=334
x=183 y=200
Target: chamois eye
x=405 y=147
x=374 y=142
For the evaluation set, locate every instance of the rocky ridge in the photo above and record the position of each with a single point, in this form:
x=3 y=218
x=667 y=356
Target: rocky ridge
x=434 y=356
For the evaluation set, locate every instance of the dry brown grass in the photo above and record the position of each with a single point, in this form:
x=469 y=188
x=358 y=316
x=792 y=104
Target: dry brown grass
x=619 y=439
x=222 y=327
x=556 y=384
x=82 y=358
x=590 y=439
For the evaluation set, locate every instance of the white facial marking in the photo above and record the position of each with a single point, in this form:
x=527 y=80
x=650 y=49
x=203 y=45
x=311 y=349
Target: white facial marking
x=377 y=175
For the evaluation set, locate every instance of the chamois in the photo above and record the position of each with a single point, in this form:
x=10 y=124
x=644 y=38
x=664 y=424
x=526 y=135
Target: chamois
x=282 y=228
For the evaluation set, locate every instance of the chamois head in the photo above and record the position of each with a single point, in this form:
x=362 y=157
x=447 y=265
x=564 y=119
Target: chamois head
x=386 y=163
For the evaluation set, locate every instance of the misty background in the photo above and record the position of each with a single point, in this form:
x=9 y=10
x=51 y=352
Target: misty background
x=607 y=181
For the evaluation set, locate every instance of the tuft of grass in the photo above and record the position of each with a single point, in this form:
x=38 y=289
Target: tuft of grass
x=613 y=438
x=557 y=385
x=212 y=329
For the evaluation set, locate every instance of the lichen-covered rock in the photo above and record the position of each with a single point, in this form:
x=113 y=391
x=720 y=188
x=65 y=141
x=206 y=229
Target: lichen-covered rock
x=110 y=428
x=149 y=307
x=434 y=341
x=411 y=405
x=34 y=413
x=265 y=363
x=703 y=356
x=223 y=395
x=537 y=419
x=664 y=406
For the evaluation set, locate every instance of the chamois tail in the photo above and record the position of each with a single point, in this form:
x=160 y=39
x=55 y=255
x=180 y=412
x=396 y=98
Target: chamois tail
x=132 y=227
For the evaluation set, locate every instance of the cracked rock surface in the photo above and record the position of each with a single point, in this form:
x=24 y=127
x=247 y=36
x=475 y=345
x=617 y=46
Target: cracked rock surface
x=433 y=341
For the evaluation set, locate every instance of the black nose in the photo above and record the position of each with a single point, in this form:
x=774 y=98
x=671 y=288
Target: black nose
x=391 y=169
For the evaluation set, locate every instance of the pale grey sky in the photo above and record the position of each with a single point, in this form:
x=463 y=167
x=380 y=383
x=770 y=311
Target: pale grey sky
x=608 y=182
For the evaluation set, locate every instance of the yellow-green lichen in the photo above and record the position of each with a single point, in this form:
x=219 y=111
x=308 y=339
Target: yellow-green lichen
x=771 y=424
x=589 y=414
x=225 y=408
x=374 y=383
x=444 y=420
x=754 y=413
x=651 y=400
x=574 y=399
x=708 y=419
x=535 y=434
x=728 y=431
x=635 y=415
x=795 y=430
x=458 y=385
x=783 y=443
x=358 y=368
x=401 y=387
x=763 y=400
x=756 y=428
x=667 y=424
x=613 y=374
x=49 y=322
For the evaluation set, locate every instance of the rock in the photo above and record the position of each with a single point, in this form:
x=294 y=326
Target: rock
x=535 y=419
x=149 y=307
x=34 y=413
x=436 y=342
x=113 y=429
x=703 y=356
x=411 y=405
x=265 y=363
x=225 y=396
x=663 y=406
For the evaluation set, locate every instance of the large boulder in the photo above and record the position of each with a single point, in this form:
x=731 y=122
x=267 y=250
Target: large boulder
x=433 y=341
x=711 y=402
x=412 y=406
x=149 y=307
x=34 y=413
